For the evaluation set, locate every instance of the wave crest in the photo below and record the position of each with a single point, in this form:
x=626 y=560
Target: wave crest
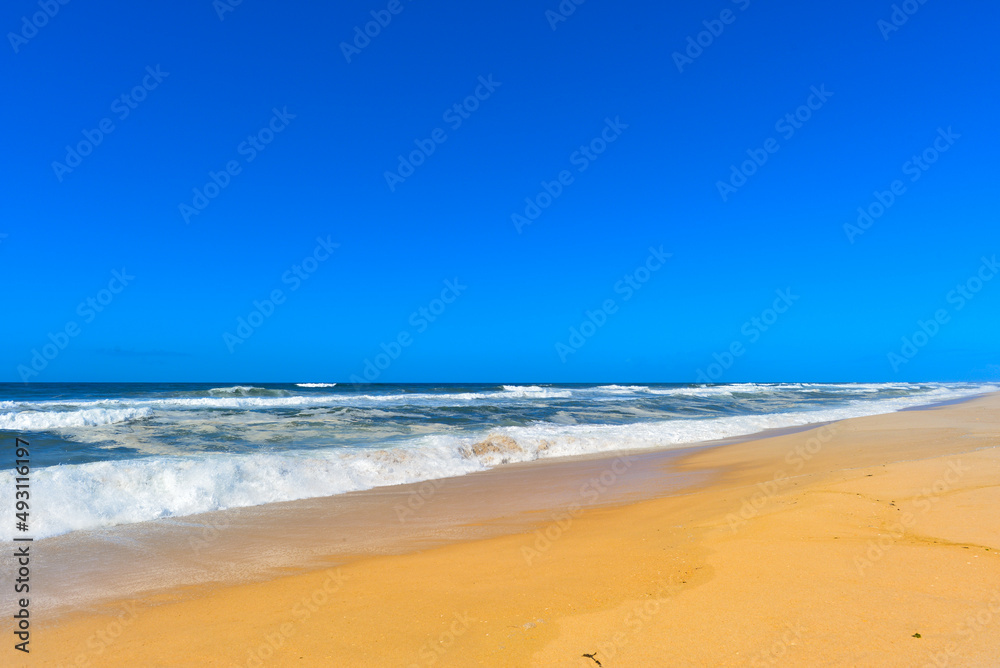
x=247 y=391
x=91 y=417
x=534 y=392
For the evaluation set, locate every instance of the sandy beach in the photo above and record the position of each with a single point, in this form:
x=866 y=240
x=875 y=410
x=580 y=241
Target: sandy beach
x=447 y=334
x=873 y=541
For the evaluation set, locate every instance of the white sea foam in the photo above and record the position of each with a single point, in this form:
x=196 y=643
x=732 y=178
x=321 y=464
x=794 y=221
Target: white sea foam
x=247 y=391
x=236 y=389
x=87 y=496
x=530 y=392
x=98 y=494
x=757 y=388
x=91 y=417
x=623 y=388
x=705 y=390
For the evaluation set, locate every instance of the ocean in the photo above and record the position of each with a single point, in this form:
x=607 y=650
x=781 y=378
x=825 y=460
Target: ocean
x=106 y=454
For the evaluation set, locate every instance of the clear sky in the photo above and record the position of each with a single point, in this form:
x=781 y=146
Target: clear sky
x=290 y=124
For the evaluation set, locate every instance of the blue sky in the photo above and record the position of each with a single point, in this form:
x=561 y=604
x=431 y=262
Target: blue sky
x=889 y=91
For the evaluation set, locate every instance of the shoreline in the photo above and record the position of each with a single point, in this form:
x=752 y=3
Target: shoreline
x=198 y=474
x=699 y=519
x=185 y=552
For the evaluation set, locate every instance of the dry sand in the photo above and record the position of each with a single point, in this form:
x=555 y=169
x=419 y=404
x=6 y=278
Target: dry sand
x=828 y=547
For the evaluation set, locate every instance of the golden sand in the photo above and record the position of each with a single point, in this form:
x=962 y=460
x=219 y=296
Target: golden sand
x=869 y=542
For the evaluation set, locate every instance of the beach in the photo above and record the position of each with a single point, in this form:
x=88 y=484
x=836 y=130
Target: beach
x=564 y=334
x=870 y=541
